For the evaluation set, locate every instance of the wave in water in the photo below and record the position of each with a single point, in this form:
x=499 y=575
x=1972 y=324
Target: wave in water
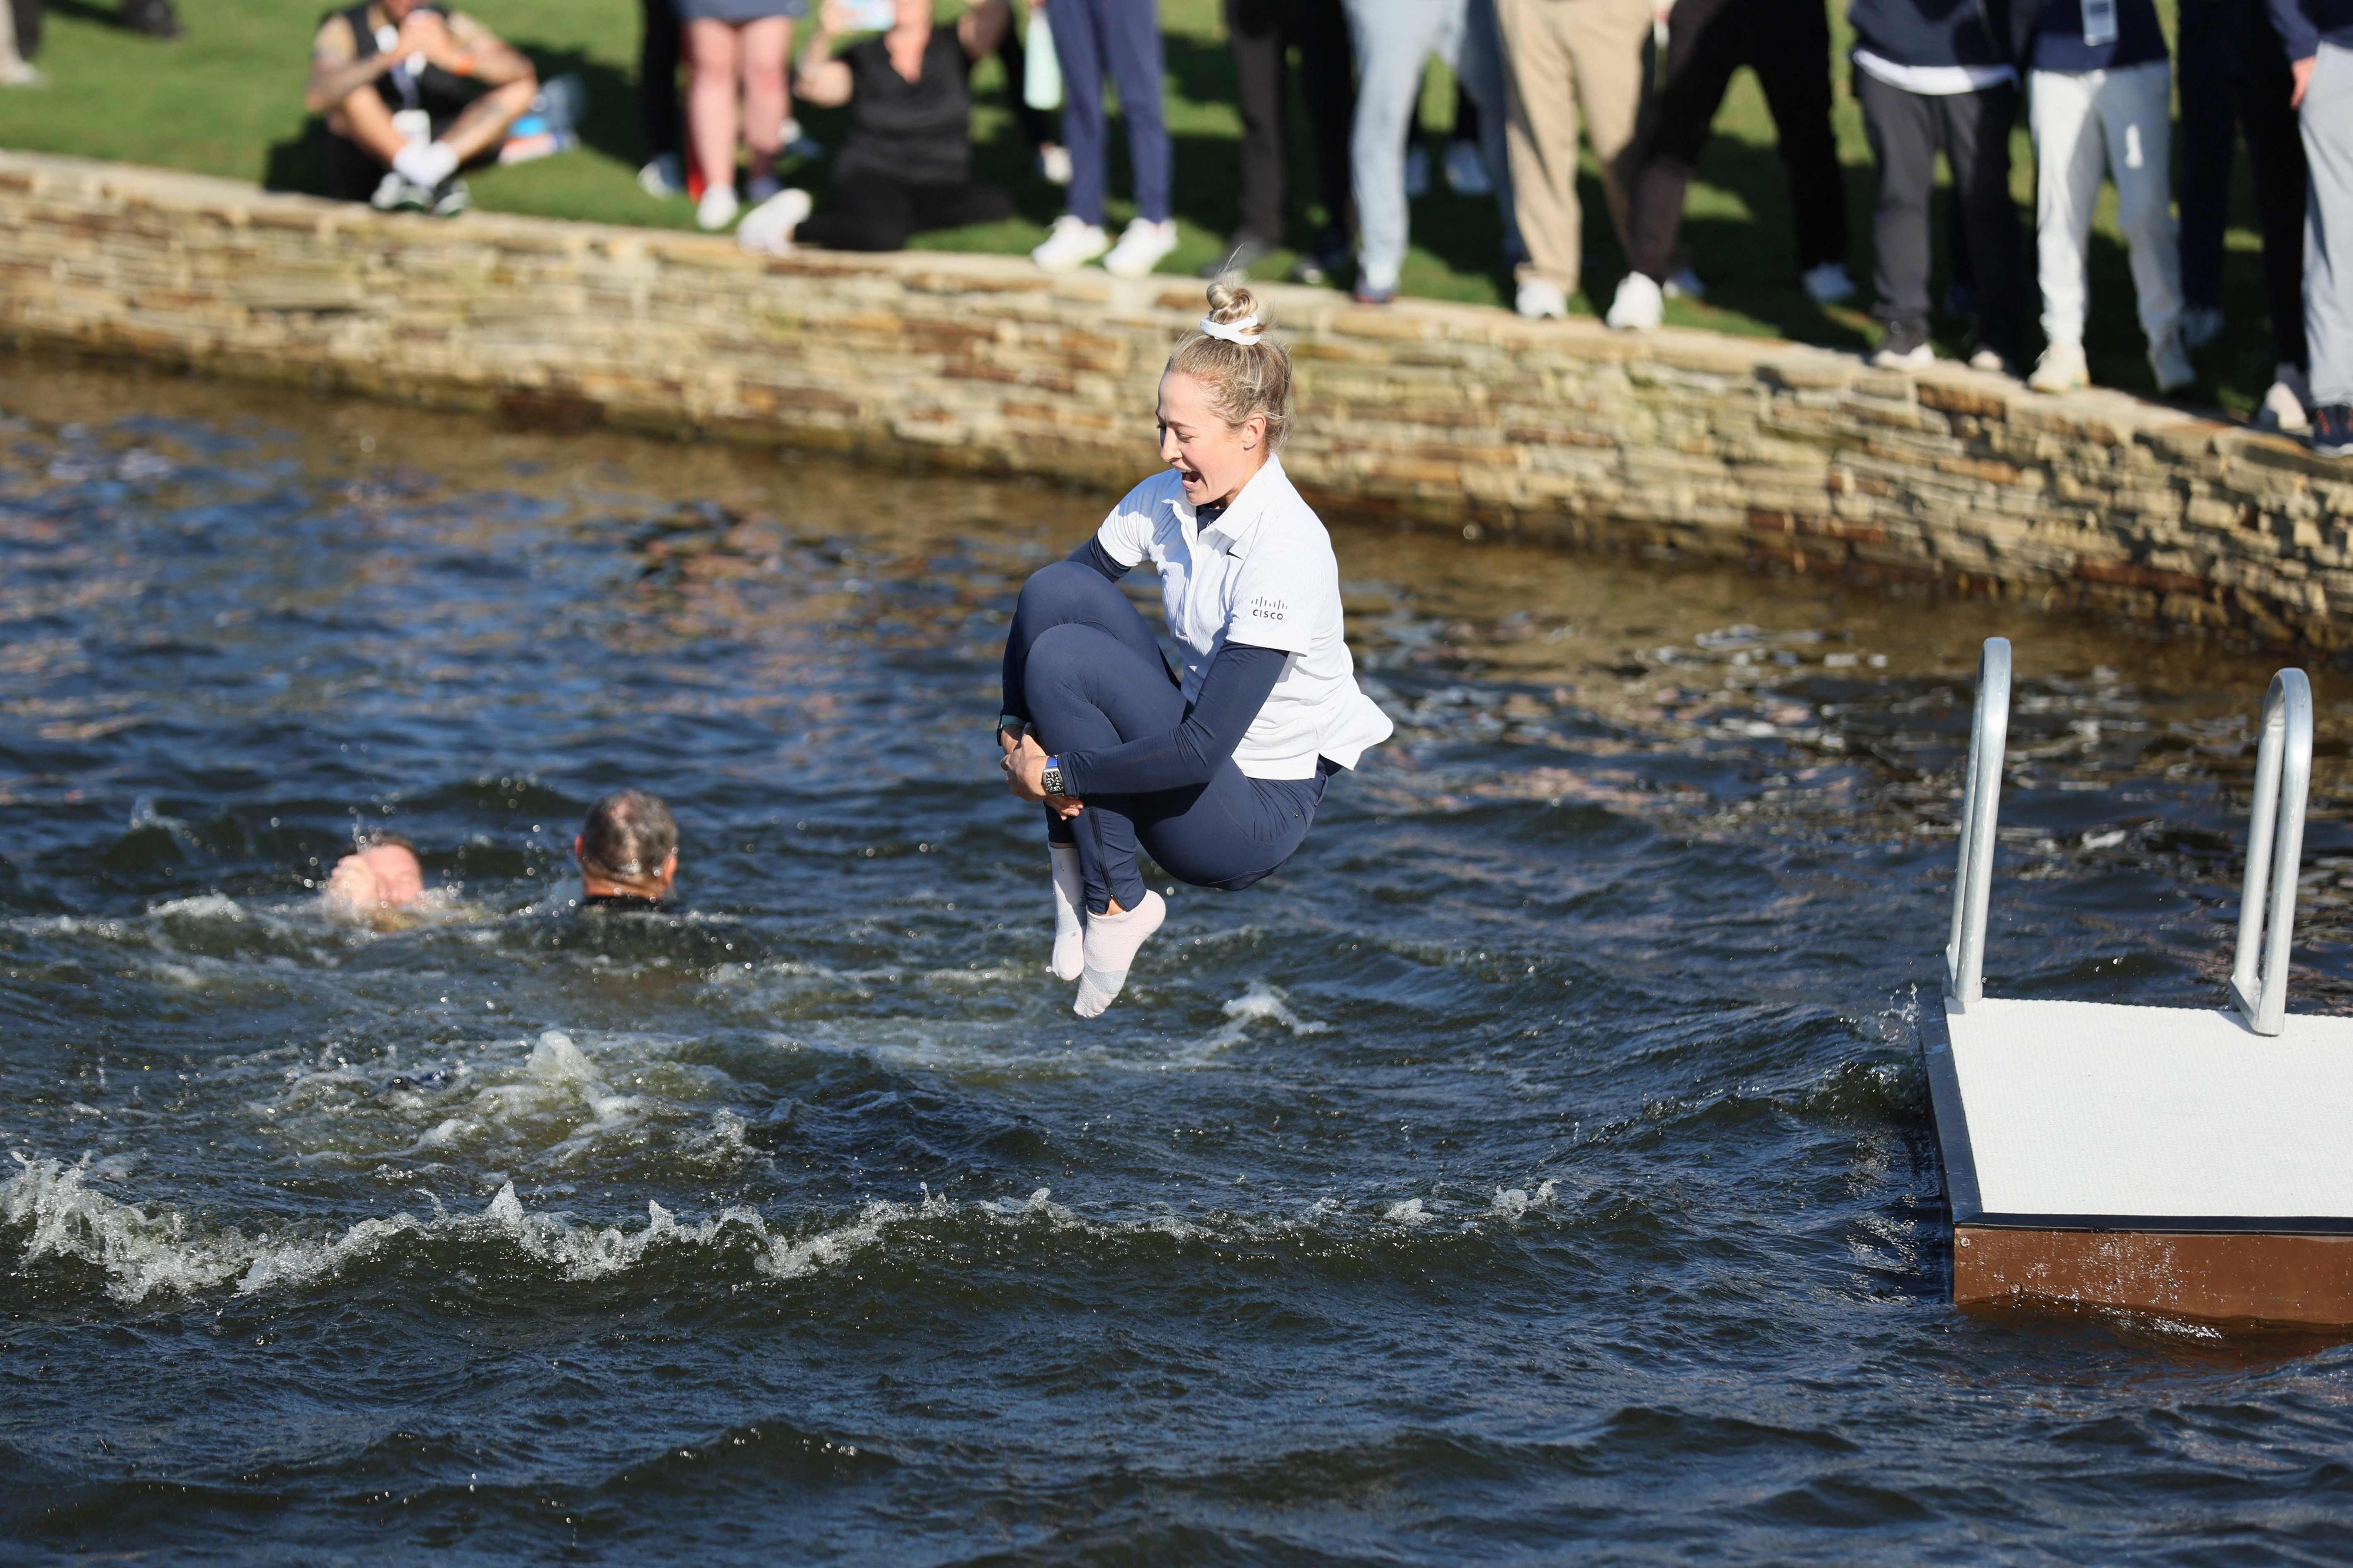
x=147 y=1252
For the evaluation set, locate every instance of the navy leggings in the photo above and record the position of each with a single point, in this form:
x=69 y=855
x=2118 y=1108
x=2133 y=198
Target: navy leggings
x=1089 y=674
x=1123 y=37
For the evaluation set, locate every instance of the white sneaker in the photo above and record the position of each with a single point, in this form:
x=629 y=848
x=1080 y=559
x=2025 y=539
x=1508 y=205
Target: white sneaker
x=1683 y=283
x=1828 y=283
x=663 y=177
x=2171 y=363
x=1466 y=171
x=2061 y=369
x=1639 y=306
x=1071 y=244
x=1417 y=173
x=2287 y=406
x=1540 y=298
x=1141 y=247
x=1986 y=359
x=397 y=193
x=717 y=208
x=1054 y=165
x=768 y=228
x=2201 y=325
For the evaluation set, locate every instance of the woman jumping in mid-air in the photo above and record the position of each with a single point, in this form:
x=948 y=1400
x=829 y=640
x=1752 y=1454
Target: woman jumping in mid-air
x=1217 y=777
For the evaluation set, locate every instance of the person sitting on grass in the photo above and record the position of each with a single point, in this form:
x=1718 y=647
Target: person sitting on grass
x=411 y=92
x=378 y=883
x=906 y=165
x=628 y=852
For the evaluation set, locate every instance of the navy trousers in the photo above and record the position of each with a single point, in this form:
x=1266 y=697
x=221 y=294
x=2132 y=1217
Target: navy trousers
x=1083 y=667
x=1121 y=37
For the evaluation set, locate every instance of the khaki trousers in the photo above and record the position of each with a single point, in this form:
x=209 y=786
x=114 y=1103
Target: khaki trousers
x=1562 y=56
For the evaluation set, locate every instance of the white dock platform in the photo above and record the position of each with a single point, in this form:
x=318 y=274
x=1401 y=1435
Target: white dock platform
x=2188 y=1161
x=2091 y=1115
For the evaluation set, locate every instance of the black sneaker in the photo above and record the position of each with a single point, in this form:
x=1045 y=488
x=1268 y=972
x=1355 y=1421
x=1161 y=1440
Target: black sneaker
x=153 y=18
x=2332 y=431
x=1324 y=260
x=1905 y=347
x=1244 y=251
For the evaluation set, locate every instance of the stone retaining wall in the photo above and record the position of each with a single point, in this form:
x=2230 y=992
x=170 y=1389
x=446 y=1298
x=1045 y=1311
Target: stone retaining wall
x=1461 y=416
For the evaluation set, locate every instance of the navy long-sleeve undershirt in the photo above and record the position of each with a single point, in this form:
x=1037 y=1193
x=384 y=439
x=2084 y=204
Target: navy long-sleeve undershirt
x=1237 y=684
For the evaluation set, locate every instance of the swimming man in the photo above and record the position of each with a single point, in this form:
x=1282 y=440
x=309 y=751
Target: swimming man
x=628 y=852
x=376 y=881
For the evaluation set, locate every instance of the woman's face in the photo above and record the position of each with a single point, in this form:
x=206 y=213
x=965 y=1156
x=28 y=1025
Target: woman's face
x=1214 y=459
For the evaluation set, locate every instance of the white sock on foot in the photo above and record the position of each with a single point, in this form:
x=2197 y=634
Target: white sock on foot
x=1070 y=911
x=1112 y=944
x=428 y=165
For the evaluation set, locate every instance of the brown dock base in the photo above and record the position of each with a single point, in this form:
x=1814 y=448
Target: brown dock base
x=2236 y=1276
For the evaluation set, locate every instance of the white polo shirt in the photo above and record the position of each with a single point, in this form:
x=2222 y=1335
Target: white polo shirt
x=1262 y=574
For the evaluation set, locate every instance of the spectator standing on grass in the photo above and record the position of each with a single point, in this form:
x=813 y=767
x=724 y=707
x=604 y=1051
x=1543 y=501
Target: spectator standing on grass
x=664 y=174
x=1788 y=44
x=1264 y=32
x=907 y=164
x=153 y=18
x=1454 y=150
x=1119 y=38
x=411 y=93
x=13 y=72
x=2234 y=73
x=1933 y=76
x=2100 y=95
x=1394 y=41
x=733 y=45
x=1563 y=58
x=2319 y=38
x=1051 y=159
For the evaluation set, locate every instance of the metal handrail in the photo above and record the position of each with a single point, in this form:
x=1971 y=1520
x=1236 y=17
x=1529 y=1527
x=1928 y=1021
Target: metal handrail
x=2274 y=854
x=1980 y=804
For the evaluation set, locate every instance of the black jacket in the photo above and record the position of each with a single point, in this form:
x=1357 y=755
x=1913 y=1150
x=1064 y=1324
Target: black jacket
x=1944 y=32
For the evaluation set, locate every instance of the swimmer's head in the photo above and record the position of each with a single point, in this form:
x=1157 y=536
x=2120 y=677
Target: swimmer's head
x=628 y=846
x=383 y=873
x=1225 y=407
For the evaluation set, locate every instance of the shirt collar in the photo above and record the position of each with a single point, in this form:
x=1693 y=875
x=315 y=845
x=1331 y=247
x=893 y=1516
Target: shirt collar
x=1238 y=527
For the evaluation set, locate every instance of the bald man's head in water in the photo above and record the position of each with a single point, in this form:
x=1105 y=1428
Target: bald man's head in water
x=377 y=879
x=628 y=850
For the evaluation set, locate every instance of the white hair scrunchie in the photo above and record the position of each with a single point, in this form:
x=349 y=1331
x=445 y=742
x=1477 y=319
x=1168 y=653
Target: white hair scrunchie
x=1244 y=331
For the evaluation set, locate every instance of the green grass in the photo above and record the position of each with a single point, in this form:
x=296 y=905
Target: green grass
x=227 y=99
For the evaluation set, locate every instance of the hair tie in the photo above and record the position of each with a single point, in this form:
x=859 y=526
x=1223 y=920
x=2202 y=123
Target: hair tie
x=1244 y=331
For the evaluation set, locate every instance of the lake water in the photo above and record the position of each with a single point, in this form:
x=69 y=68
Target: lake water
x=1536 y=1169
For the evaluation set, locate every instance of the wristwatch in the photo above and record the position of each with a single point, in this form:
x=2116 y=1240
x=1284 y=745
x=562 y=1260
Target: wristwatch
x=1050 y=781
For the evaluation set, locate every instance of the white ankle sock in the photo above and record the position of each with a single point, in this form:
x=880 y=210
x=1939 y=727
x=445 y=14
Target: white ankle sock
x=428 y=165
x=1112 y=944
x=1070 y=911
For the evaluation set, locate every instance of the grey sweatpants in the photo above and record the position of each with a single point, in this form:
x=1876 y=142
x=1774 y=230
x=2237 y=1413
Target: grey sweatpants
x=1394 y=39
x=2328 y=119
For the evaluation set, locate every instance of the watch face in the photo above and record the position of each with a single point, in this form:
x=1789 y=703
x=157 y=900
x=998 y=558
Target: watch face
x=1051 y=781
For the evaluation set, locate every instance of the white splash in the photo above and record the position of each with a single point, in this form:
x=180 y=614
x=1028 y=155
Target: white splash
x=147 y=1251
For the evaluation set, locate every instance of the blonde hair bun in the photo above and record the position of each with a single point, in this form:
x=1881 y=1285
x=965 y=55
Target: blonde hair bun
x=1231 y=302
x=1243 y=379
